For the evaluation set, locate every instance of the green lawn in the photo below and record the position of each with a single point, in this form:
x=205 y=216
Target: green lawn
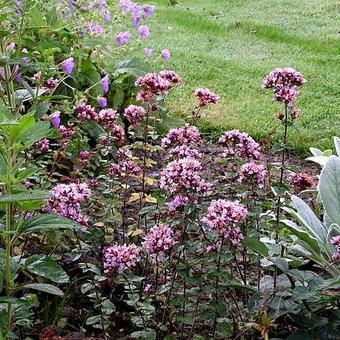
x=230 y=45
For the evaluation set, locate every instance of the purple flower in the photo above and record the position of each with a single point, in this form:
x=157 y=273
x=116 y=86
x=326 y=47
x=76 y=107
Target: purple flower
x=180 y=137
x=253 y=174
x=143 y=31
x=25 y=61
x=125 y=6
x=166 y=55
x=66 y=200
x=223 y=216
x=11 y=47
x=44 y=145
x=95 y=29
x=148 y=52
x=105 y=83
x=101 y=4
x=335 y=241
x=120 y=258
x=205 y=97
x=122 y=38
x=68 y=65
x=134 y=114
x=158 y=241
x=107 y=16
x=148 y=11
x=55 y=119
x=102 y=101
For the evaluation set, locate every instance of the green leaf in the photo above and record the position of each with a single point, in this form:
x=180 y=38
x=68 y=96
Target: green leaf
x=309 y=241
x=45 y=267
x=309 y=220
x=329 y=188
x=148 y=334
x=224 y=329
x=44 y=287
x=93 y=320
x=37 y=132
x=48 y=222
x=35 y=195
x=134 y=67
x=256 y=245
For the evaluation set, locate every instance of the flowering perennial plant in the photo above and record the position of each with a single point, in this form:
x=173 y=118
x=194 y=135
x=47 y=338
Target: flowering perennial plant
x=240 y=144
x=183 y=136
x=223 y=217
x=253 y=174
x=158 y=241
x=302 y=181
x=182 y=176
x=134 y=114
x=205 y=97
x=284 y=81
x=119 y=258
x=66 y=200
x=86 y=112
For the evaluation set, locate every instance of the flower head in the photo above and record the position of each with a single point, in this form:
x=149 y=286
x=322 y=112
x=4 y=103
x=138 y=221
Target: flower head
x=185 y=135
x=55 y=119
x=148 y=11
x=119 y=258
x=148 y=52
x=143 y=31
x=105 y=83
x=134 y=114
x=253 y=174
x=68 y=65
x=158 y=241
x=102 y=101
x=302 y=181
x=166 y=55
x=66 y=200
x=122 y=38
x=240 y=144
x=223 y=217
x=86 y=112
x=205 y=97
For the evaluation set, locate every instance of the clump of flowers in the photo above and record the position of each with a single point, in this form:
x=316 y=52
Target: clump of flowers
x=178 y=202
x=253 y=174
x=302 y=181
x=125 y=168
x=86 y=112
x=183 y=151
x=51 y=83
x=335 y=241
x=240 y=144
x=158 y=241
x=84 y=158
x=223 y=217
x=153 y=84
x=205 y=97
x=185 y=135
x=43 y=145
x=182 y=175
x=134 y=114
x=119 y=258
x=66 y=200
x=284 y=81
x=108 y=118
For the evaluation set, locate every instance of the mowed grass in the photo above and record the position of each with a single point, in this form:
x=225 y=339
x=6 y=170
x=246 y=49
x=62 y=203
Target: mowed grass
x=230 y=45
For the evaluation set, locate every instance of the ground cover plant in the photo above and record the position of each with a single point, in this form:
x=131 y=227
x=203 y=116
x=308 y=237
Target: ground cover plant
x=120 y=220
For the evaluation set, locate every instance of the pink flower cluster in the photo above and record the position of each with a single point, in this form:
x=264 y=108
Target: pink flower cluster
x=183 y=151
x=134 y=114
x=108 y=118
x=335 y=241
x=67 y=132
x=84 y=158
x=43 y=145
x=158 y=241
x=125 y=169
x=178 y=202
x=153 y=84
x=239 y=144
x=185 y=135
x=119 y=258
x=51 y=83
x=66 y=200
x=171 y=76
x=253 y=174
x=223 y=217
x=302 y=181
x=205 y=97
x=86 y=112
x=182 y=176
x=284 y=82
